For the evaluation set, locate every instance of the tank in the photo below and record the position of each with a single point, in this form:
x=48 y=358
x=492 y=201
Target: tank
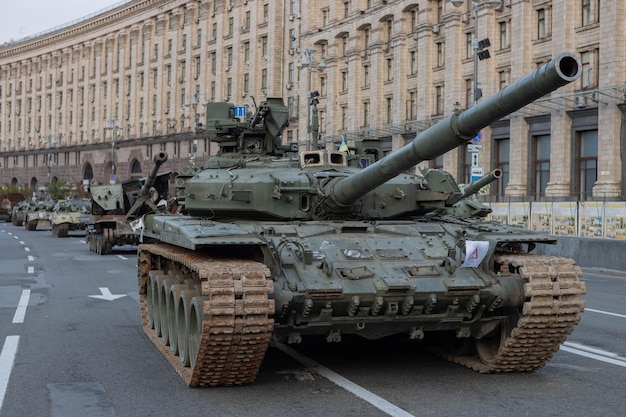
x=38 y=214
x=115 y=206
x=70 y=214
x=276 y=245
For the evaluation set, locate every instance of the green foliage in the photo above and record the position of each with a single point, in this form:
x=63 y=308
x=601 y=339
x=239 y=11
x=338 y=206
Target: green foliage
x=16 y=189
x=58 y=190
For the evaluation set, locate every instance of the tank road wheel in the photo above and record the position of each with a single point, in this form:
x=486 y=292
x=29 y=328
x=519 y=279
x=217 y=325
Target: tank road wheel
x=55 y=230
x=489 y=347
x=196 y=319
x=183 y=319
x=156 y=280
x=150 y=297
x=19 y=218
x=164 y=300
x=31 y=225
x=172 y=315
x=62 y=229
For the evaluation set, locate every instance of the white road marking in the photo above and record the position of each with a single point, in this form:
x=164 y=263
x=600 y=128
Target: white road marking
x=594 y=353
x=123 y=258
x=15 y=237
x=22 y=242
x=346 y=384
x=20 y=312
x=606 y=312
x=31 y=258
x=106 y=295
x=31 y=269
x=27 y=249
x=7 y=358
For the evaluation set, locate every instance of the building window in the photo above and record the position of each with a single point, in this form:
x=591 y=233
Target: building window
x=411 y=108
x=503 y=79
x=439 y=97
x=389 y=69
x=413 y=67
x=439 y=11
x=264 y=47
x=346 y=9
x=246 y=52
x=468 y=93
x=502 y=161
x=540 y=175
x=441 y=61
x=366 y=75
x=469 y=43
x=344 y=81
x=344 y=117
x=589 y=77
x=586 y=163
x=292 y=39
x=366 y=114
x=587 y=16
x=541 y=23
x=504 y=42
x=389 y=115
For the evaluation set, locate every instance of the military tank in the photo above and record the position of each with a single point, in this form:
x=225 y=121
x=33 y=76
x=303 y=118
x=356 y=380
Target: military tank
x=69 y=215
x=279 y=246
x=38 y=214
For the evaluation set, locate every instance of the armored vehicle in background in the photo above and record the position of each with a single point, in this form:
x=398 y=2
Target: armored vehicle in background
x=115 y=206
x=69 y=215
x=274 y=244
x=7 y=202
x=37 y=214
x=17 y=212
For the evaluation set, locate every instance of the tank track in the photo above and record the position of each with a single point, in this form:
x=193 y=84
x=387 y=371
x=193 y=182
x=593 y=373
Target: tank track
x=550 y=312
x=237 y=314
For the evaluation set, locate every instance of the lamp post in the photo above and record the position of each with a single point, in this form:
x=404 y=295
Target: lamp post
x=193 y=147
x=306 y=59
x=115 y=128
x=480 y=51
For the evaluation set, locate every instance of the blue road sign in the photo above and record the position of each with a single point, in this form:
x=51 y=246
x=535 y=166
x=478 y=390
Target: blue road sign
x=240 y=111
x=477 y=139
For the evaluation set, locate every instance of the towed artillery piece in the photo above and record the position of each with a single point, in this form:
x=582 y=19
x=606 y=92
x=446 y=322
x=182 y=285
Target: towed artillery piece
x=115 y=206
x=277 y=248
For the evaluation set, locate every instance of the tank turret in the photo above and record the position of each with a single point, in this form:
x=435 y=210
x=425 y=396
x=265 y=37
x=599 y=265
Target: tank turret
x=252 y=177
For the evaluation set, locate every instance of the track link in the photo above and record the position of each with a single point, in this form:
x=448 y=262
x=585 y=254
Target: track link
x=237 y=321
x=550 y=312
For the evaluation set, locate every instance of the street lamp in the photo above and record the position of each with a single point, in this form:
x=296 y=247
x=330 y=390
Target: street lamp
x=306 y=59
x=480 y=51
x=193 y=148
x=115 y=128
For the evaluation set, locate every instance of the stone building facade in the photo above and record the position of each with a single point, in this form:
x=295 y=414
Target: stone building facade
x=99 y=97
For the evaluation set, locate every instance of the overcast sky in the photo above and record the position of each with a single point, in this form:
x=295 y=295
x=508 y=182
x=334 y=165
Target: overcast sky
x=21 y=18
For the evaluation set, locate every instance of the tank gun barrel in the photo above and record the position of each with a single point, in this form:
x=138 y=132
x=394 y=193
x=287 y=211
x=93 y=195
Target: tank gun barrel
x=456 y=130
x=159 y=159
x=475 y=186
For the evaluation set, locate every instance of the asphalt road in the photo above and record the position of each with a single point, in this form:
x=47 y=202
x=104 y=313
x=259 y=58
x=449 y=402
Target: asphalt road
x=66 y=353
